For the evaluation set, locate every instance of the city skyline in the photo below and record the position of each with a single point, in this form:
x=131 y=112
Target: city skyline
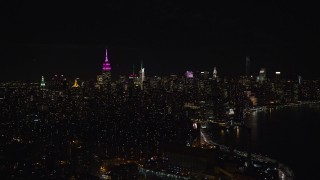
x=168 y=36
x=159 y=89
x=85 y=63
x=65 y=122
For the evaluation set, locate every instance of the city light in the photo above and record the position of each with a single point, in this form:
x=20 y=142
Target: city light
x=106 y=65
x=189 y=74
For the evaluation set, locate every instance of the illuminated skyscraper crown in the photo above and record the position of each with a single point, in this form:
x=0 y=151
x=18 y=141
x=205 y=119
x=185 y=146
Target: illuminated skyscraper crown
x=189 y=74
x=75 y=85
x=106 y=65
x=215 y=72
x=43 y=83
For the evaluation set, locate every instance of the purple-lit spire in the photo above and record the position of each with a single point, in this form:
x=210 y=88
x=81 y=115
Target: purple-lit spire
x=106 y=56
x=106 y=65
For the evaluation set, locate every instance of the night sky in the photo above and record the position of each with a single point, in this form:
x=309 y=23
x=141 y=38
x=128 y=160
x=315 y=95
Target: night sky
x=48 y=38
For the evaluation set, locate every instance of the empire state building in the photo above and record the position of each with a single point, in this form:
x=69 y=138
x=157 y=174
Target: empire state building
x=106 y=70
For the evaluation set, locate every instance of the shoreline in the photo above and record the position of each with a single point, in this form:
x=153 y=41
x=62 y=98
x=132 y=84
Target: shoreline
x=261 y=108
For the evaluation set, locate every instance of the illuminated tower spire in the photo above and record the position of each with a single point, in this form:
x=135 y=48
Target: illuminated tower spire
x=142 y=75
x=43 y=83
x=75 y=85
x=215 y=73
x=106 y=70
x=106 y=65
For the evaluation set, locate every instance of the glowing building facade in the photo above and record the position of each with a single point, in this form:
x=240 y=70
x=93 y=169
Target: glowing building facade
x=106 y=70
x=262 y=75
x=277 y=75
x=189 y=74
x=215 y=73
x=247 y=66
x=142 y=75
x=43 y=83
x=75 y=84
x=299 y=80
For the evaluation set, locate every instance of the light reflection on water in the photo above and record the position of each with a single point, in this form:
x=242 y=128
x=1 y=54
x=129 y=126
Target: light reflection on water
x=284 y=133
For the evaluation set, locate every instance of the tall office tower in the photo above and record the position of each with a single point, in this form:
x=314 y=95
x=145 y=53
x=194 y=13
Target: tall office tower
x=75 y=85
x=2 y=93
x=99 y=82
x=106 y=70
x=215 y=73
x=248 y=66
x=278 y=73
x=262 y=75
x=142 y=75
x=43 y=83
x=189 y=74
x=189 y=80
x=299 y=80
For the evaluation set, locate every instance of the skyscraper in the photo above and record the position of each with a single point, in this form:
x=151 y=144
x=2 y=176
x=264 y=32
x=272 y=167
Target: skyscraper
x=277 y=76
x=43 y=83
x=142 y=76
x=262 y=74
x=247 y=66
x=189 y=74
x=106 y=70
x=215 y=73
x=75 y=85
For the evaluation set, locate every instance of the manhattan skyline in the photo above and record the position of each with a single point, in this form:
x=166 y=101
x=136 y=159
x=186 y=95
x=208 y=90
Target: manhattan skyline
x=170 y=38
x=159 y=89
x=83 y=61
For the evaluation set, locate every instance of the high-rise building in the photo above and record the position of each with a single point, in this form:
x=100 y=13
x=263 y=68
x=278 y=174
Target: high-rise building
x=189 y=74
x=262 y=75
x=75 y=85
x=204 y=75
x=248 y=66
x=100 y=80
x=278 y=73
x=106 y=70
x=42 y=83
x=2 y=93
x=215 y=73
x=142 y=76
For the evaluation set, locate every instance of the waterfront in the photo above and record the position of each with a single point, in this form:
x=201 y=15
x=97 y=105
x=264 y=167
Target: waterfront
x=287 y=134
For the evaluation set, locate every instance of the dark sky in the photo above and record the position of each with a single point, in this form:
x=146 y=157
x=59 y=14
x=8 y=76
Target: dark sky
x=47 y=38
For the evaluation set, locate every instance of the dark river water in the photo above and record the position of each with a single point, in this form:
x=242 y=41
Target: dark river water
x=290 y=135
